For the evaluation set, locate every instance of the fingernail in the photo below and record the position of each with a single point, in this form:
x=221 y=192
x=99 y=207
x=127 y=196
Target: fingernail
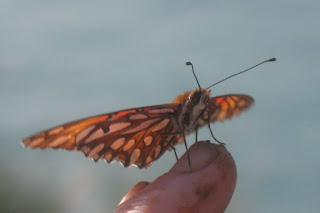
x=201 y=155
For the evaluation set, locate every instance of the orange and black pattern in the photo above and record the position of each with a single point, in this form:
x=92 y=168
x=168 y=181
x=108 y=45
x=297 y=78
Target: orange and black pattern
x=135 y=136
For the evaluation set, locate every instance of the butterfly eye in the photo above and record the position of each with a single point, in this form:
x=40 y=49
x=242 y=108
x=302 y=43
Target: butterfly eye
x=194 y=98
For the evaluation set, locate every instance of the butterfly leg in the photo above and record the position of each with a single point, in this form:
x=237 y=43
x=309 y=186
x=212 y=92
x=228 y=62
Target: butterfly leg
x=175 y=152
x=196 y=135
x=223 y=144
x=169 y=142
x=186 y=145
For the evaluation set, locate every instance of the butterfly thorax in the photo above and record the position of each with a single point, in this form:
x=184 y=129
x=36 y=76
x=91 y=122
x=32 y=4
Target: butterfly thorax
x=193 y=105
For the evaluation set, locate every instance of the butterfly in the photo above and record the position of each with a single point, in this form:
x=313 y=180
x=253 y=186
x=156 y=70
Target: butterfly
x=139 y=136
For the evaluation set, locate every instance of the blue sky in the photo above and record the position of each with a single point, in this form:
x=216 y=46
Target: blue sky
x=61 y=61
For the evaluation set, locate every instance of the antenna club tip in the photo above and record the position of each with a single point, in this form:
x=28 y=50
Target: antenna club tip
x=188 y=63
x=272 y=59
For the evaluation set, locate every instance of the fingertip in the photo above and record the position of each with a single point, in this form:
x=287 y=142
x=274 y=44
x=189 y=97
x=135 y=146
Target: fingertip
x=208 y=184
x=201 y=155
x=211 y=180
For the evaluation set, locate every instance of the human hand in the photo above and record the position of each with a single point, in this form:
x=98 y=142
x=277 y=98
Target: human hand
x=205 y=187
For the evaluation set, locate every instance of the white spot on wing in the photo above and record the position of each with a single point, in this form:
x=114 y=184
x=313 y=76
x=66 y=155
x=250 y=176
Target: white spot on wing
x=135 y=155
x=157 y=151
x=138 y=116
x=83 y=133
x=129 y=144
x=161 y=110
x=142 y=126
x=161 y=125
x=97 y=134
x=122 y=161
x=95 y=150
x=118 y=143
x=60 y=140
x=118 y=126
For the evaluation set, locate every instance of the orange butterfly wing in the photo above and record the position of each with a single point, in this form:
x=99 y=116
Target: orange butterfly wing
x=135 y=136
x=228 y=106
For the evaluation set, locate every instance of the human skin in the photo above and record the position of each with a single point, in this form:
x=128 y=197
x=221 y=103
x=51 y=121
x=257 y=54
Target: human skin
x=205 y=187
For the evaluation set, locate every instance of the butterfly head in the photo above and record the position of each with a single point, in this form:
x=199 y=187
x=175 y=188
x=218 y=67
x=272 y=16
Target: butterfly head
x=193 y=104
x=197 y=101
x=199 y=96
x=194 y=97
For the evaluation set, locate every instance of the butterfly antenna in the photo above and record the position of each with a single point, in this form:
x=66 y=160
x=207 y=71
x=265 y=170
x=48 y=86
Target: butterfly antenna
x=269 y=60
x=190 y=64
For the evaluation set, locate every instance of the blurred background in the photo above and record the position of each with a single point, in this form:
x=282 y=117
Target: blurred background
x=61 y=61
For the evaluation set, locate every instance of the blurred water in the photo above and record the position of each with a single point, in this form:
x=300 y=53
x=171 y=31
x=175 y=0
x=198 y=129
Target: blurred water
x=63 y=61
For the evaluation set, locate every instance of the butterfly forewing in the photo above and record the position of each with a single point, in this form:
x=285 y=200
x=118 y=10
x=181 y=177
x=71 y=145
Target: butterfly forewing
x=136 y=136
